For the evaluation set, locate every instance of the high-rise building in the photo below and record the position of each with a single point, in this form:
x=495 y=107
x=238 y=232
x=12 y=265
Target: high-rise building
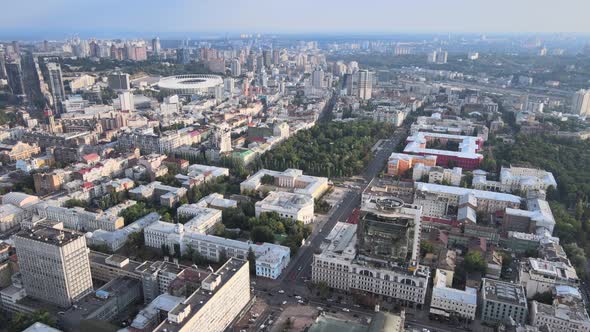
x=365 y=84
x=581 y=102
x=126 y=101
x=222 y=138
x=2 y=65
x=54 y=265
x=183 y=56
x=14 y=73
x=317 y=78
x=56 y=86
x=156 y=46
x=236 y=68
x=228 y=85
x=15 y=47
x=439 y=57
x=119 y=81
x=216 y=304
x=276 y=57
x=267 y=56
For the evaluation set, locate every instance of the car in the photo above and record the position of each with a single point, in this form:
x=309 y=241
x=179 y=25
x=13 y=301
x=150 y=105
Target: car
x=320 y=309
x=61 y=313
x=345 y=309
x=300 y=302
x=425 y=330
x=357 y=306
x=298 y=297
x=281 y=291
x=284 y=302
x=300 y=268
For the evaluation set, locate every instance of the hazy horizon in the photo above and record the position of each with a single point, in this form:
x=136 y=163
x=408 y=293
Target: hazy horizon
x=177 y=18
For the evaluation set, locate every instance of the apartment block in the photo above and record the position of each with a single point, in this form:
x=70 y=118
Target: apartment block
x=54 y=265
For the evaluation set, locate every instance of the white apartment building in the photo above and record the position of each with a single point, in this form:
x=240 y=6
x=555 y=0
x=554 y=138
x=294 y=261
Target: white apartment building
x=526 y=179
x=216 y=201
x=271 y=259
x=437 y=174
x=436 y=199
x=540 y=276
x=78 y=219
x=166 y=195
x=202 y=219
x=199 y=174
x=449 y=302
x=287 y=205
x=207 y=308
x=115 y=240
x=54 y=265
x=338 y=267
x=581 y=102
x=291 y=179
x=567 y=313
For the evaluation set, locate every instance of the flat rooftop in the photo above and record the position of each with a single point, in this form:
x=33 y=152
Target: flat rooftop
x=505 y=292
x=200 y=297
x=53 y=236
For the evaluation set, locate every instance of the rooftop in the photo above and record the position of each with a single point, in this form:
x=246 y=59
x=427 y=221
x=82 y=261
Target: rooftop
x=287 y=201
x=200 y=297
x=468 y=145
x=500 y=291
x=53 y=236
x=479 y=194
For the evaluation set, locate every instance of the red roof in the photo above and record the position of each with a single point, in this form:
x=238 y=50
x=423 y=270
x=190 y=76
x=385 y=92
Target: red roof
x=91 y=157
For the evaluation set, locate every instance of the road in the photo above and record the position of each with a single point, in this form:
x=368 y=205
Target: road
x=292 y=282
x=533 y=92
x=300 y=267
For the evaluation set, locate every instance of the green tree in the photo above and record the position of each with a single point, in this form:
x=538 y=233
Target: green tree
x=475 y=262
x=262 y=234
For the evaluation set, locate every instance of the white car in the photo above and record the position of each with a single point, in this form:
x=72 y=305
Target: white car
x=281 y=292
x=284 y=302
x=298 y=297
x=345 y=309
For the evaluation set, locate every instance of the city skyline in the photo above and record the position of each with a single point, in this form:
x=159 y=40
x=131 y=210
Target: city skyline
x=108 y=18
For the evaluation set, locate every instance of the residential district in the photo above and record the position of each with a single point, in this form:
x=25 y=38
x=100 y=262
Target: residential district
x=260 y=184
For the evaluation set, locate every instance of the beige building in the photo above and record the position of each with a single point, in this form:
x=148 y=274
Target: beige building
x=54 y=265
x=207 y=308
x=19 y=151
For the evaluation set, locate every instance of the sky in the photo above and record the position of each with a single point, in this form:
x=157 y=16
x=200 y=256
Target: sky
x=52 y=18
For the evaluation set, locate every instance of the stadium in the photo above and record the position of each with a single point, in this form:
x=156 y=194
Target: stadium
x=190 y=84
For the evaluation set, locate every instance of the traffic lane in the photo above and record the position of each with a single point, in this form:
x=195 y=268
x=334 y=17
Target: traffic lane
x=306 y=251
